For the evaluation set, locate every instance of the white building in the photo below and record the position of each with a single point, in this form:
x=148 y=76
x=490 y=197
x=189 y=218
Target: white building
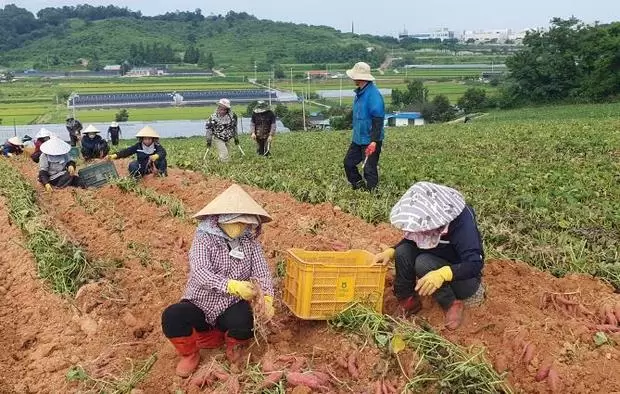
x=499 y=35
x=441 y=34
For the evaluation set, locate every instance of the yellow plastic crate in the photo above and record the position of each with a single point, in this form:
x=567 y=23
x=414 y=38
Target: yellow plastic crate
x=319 y=285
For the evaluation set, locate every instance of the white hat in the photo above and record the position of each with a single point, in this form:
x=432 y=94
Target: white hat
x=224 y=103
x=234 y=200
x=90 y=129
x=236 y=218
x=16 y=141
x=360 y=72
x=113 y=124
x=147 y=131
x=43 y=133
x=55 y=147
x=426 y=206
x=261 y=107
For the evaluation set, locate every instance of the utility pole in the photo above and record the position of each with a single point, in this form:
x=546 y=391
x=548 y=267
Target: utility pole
x=292 y=89
x=269 y=87
x=341 y=91
x=255 y=69
x=303 y=111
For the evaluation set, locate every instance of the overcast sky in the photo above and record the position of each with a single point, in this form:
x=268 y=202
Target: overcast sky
x=382 y=17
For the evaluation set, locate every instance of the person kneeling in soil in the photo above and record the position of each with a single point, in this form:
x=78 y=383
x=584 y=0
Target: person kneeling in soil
x=13 y=146
x=441 y=246
x=221 y=127
x=42 y=136
x=224 y=256
x=55 y=166
x=150 y=155
x=93 y=146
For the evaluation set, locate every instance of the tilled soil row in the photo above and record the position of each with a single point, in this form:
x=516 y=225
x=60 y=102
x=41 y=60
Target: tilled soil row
x=153 y=248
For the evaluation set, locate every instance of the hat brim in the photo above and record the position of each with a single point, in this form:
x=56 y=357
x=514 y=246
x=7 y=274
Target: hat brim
x=359 y=76
x=227 y=106
x=234 y=200
x=55 y=147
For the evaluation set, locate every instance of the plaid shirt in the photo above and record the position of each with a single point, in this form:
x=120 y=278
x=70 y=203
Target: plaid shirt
x=211 y=267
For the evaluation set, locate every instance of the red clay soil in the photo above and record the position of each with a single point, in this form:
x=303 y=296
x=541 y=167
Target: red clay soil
x=153 y=246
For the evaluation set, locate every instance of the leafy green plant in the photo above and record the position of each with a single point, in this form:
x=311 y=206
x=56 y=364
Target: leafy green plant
x=454 y=369
x=63 y=264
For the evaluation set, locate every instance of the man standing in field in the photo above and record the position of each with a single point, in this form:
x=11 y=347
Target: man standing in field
x=114 y=132
x=263 y=127
x=368 y=133
x=74 y=127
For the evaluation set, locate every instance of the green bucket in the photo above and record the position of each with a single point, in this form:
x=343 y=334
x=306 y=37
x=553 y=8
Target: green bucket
x=74 y=153
x=97 y=175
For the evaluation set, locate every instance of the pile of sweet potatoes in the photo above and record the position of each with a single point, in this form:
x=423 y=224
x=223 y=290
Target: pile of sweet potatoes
x=295 y=369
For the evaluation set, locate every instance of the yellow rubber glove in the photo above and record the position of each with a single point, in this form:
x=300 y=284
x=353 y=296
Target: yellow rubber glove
x=385 y=257
x=233 y=230
x=48 y=188
x=112 y=157
x=269 y=309
x=154 y=157
x=71 y=170
x=241 y=288
x=432 y=281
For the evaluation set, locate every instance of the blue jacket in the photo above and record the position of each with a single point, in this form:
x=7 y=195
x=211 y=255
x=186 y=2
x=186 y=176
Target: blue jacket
x=461 y=246
x=368 y=104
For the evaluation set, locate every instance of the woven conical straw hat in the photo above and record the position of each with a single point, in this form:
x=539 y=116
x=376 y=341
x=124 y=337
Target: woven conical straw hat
x=55 y=147
x=234 y=200
x=148 y=131
x=90 y=129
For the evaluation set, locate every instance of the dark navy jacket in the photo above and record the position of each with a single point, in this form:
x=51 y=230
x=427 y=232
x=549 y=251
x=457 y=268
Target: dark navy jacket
x=142 y=157
x=94 y=148
x=461 y=246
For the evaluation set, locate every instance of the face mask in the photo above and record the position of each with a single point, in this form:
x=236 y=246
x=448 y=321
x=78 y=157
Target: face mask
x=91 y=135
x=233 y=230
x=427 y=239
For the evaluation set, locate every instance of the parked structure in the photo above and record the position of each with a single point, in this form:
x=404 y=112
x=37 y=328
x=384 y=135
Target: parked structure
x=404 y=119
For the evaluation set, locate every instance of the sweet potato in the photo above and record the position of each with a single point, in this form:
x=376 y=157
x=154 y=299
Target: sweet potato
x=203 y=378
x=543 y=371
x=378 y=387
x=352 y=367
x=308 y=379
x=272 y=379
x=220 y=373
x=233 y=385
x=322 y=376
x=268 y=363
x=553 y=380
x=610 y=316
x=528 y=355
x=606 y=327
x=617 y=312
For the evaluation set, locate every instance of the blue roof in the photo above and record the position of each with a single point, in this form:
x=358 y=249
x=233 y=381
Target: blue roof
x=405 y=115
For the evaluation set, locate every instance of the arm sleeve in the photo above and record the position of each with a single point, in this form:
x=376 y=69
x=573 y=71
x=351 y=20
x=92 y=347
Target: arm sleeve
x=208 y=131
x=44 y=177
x=5 y=150
x=128 y=152
x=273 y=124
x=160 y=151
x=375 y=131
x=376 y=111
x=70 y=163
x=260 y=269
x=467 y=244
x=235 y=125
x=252 y=125
x=201 y=268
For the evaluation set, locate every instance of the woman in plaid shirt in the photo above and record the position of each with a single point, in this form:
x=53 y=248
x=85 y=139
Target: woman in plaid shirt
x=224 y=256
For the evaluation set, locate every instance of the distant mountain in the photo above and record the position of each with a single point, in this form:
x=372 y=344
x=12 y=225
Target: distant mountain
x=65 y=37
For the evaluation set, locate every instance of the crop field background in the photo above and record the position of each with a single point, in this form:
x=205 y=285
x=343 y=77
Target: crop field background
x=544 y=182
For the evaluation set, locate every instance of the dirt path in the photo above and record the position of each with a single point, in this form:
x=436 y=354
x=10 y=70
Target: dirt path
x=153 y=246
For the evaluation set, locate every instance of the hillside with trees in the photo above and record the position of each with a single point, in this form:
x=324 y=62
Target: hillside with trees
x=60 y=37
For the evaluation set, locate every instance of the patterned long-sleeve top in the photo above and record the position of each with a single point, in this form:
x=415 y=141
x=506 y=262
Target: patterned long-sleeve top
x=211 y=266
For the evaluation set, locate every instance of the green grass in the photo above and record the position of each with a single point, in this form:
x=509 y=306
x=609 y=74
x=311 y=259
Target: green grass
x=61 y=263
x=545 y=190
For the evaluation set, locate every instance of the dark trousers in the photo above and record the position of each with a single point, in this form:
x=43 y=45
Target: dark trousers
x=114 y=138
x=262 y=147
x=411 y=262
x=179 y=320
x=74 y=136
x=355 y=155
x=65 y=180
x=138 y=169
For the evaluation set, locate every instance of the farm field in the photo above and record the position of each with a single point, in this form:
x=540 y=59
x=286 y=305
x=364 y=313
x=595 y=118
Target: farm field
x=545 y=191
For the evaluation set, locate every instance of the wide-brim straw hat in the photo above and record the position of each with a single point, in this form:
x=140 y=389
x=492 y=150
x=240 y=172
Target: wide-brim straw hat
x=16 y=141
x=360 y=72
x=90 y=129
x=224 y=103
x=235 y=218
x=426 y=206
x=43 y=133
x=147 y=131
x=114 y=124
x=234 y=200
x=55 y=147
